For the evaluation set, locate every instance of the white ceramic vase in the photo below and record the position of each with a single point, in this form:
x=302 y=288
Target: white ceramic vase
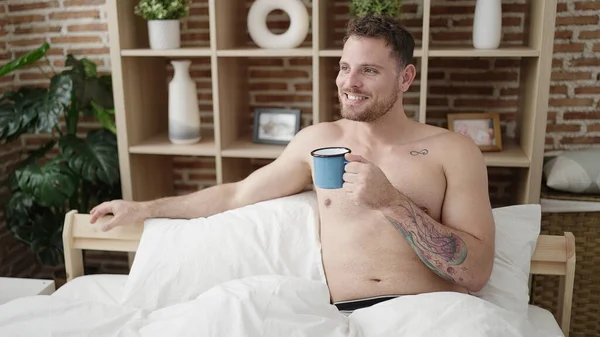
x=487 y=24
x=184 y=114
x=264 y=37
x=164 y=34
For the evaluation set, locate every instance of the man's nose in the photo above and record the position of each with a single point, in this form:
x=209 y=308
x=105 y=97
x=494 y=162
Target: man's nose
x=353 y=80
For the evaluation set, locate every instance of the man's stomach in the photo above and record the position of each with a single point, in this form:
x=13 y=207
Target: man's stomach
x=364 y=259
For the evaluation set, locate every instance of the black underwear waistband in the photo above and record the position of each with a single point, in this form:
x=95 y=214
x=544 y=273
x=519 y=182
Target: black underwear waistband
x=351 y=305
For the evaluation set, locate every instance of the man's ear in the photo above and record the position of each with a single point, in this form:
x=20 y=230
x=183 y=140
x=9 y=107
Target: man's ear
x=407 y=77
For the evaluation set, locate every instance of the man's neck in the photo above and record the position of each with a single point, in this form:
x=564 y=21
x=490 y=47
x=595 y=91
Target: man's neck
x=388 y=129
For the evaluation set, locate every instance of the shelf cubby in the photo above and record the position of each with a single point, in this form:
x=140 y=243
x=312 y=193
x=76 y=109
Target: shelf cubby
x=259 y=83
x=334 y=14
x=148 y=106
x=232 y=37
x=192 y=173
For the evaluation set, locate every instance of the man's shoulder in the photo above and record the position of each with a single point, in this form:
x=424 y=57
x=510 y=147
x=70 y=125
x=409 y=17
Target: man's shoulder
x=324 y=127
x=311 y=137
x=451 y=146
x=319 y=132
x=457 y=150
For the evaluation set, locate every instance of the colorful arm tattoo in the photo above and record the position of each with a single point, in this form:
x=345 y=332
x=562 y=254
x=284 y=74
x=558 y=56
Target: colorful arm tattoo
x=439 y=249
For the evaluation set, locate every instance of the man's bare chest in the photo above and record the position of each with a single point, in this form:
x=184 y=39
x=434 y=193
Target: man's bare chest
x=415 y=175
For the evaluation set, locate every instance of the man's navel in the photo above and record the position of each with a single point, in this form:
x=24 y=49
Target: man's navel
x=327 y=202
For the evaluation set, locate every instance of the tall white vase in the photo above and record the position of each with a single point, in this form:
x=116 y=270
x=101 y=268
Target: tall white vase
x=184 y=114
x=487 y=24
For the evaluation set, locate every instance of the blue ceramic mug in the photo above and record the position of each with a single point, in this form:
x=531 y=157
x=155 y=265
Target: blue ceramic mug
x=329 y=165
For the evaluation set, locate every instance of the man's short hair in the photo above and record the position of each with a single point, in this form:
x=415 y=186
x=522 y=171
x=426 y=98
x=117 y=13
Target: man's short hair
x=387 y=28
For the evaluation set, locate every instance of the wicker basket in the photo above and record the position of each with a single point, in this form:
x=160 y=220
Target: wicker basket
x=585 y=316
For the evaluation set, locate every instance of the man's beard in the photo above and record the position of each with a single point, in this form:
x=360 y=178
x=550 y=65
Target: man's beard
x=372 y=112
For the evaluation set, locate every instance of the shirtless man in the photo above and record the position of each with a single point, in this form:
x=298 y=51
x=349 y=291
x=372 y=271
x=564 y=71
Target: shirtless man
x=414 y=213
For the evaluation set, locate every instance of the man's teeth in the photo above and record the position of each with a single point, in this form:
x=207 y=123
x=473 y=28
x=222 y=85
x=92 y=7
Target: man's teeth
x=355 y=98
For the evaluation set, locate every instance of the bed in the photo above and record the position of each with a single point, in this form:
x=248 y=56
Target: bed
x=268 y=281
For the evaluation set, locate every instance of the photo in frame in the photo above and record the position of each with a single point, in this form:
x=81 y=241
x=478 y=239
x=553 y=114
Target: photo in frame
x=275 y=126
x=482 y=128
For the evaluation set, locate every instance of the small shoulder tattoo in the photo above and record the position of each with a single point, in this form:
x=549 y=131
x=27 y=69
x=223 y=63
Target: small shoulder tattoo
x=416 y=153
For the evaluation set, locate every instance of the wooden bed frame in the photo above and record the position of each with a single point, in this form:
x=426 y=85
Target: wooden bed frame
x=554 y=254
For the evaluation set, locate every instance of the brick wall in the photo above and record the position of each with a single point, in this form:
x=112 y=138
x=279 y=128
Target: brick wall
x=575 y=101
x=80 y=27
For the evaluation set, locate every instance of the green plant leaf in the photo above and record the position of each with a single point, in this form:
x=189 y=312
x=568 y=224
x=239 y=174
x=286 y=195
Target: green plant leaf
x=33 y=110
x=25 y=60
x=17 y=208
x=88 y=86
x=83 y=66
x=97 y=91
x=104 y=116
x=10 y=119
x=60 y=89
x=95 y=159
x=38 y=227
x=375 y=7
x=16 y=113
x=32 y=159
x=162 y=9
x=50 y=185
x=98 y=193
x=52 y=105
x=47 y=237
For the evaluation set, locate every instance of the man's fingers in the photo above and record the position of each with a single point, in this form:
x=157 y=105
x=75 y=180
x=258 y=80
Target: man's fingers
x=99 y=211
x=347 y=187
x=355 y=158
x=349 y=177
x=110 y=224
x=353 y=167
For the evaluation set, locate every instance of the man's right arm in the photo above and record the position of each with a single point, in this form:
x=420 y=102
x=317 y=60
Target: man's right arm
x=288 y=174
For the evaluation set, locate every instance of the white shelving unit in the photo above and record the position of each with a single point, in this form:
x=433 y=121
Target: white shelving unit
x=140 y=87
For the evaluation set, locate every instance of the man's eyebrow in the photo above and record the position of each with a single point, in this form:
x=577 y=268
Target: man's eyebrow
x=374 y=65
x=371 y=65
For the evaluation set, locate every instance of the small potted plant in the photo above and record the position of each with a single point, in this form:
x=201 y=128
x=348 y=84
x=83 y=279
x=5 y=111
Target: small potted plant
x=163 y=21
x=375 y=7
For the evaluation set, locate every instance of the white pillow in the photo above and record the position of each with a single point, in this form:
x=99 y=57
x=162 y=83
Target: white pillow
x=575 y=171
x=517 y=231
x=179 y=259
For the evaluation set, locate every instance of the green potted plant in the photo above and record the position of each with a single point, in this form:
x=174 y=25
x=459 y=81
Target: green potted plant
x=72 y=169
x=163 y=21
x=375 y=7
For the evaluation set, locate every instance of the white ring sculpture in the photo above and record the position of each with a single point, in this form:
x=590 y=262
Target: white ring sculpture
x=264 y=38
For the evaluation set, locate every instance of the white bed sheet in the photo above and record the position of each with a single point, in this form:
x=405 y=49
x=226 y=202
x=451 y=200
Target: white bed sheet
x=103 y=288
x=542 y=319
x=108 y=289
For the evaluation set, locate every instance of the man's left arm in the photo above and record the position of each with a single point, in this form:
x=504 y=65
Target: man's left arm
x=460 y=248
x=459 y=256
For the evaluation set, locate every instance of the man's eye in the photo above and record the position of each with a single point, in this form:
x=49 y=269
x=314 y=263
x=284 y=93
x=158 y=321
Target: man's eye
x=370 y=70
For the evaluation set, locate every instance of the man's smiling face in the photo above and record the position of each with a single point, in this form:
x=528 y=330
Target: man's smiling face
x=368 y=81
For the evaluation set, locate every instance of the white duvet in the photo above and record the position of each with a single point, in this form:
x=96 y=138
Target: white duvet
x=257 y=271
x=265 y=306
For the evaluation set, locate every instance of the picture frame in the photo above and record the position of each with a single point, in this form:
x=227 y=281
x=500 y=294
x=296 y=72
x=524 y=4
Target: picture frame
x=483 y=128
x=275 y=126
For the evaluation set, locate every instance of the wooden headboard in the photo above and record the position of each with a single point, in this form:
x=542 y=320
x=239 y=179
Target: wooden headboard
x=554 y=254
